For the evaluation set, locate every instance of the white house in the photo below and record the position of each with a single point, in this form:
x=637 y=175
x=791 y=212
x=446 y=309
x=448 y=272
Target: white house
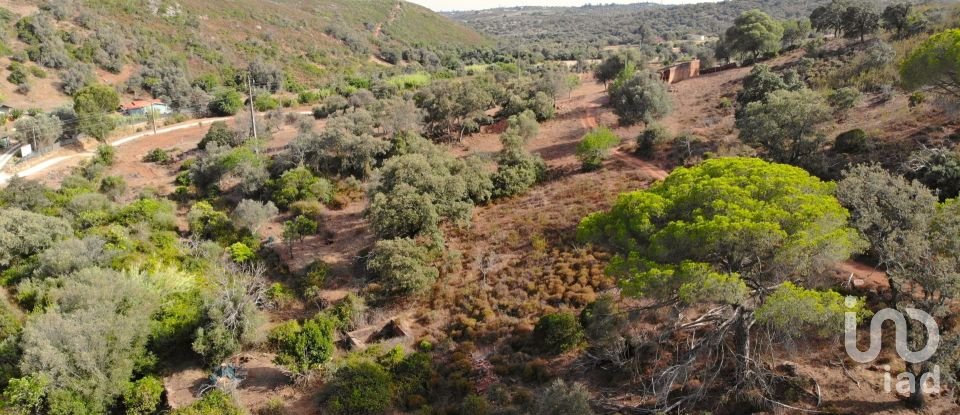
x=143 y=106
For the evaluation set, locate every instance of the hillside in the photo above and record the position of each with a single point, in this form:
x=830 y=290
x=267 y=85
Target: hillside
x=577 y=28
x=311 y=42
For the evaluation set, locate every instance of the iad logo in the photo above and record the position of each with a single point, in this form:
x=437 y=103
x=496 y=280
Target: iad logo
x=906 y=380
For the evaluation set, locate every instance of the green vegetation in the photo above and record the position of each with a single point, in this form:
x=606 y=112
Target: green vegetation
x=558 y=333
x=935 y=63
x=595 y=147
x=709 y=233
x=753 y=32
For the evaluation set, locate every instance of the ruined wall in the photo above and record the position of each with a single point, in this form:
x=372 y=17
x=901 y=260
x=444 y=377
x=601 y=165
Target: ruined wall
x=680 y=72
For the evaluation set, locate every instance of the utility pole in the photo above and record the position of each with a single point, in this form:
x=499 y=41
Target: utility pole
x=253 y=115
x=34 y=128
x=153 y=119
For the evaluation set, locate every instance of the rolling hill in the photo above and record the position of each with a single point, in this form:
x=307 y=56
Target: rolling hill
x=312 y=42
x=603 y=25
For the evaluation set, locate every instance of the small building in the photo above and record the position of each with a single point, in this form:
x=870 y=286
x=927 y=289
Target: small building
x=681 y=71
x=143 y=106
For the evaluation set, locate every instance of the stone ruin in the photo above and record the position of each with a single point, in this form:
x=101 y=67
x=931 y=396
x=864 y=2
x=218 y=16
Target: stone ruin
x=681 y=71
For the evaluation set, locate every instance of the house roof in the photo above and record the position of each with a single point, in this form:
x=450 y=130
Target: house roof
x=140 y=103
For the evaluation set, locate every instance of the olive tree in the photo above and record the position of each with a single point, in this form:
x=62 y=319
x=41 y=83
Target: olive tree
x=24 y=233
x=251 y=214
x=640 y=98
x=87 y=344
x=737 y=237
x=232 y=311
x=402 y=266
x=785 y=124
x=915 y=239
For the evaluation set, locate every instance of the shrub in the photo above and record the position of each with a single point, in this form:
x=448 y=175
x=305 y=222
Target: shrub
x=402 y=266
x=558 y=333
x=938 y=168
x=653 y=135
x=300 y=184
x=843 y=99
x=361 y=387
x=595 y=147
x=561 y=398
x=304 y=348
x=916 y=99
x=476 y=405
x=113 y=186
x=251 y=214
x=349 y=312
x=403 y=212
x=157 y=155
x=218 y=133
x=143 y=396
x=265 y=102
x=851 y=142
x=641 y=98
x=240 y=252
x=517 y=171
x=215 y=402
x=207 y=222
x=226 y=102
x=105 y=155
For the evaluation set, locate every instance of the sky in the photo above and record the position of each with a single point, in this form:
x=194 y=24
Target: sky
x=449 y=5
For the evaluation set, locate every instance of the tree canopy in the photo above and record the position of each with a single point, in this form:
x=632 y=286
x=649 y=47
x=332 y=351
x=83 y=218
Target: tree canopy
x=754 y=32
x=739 y=232
x=935 y=63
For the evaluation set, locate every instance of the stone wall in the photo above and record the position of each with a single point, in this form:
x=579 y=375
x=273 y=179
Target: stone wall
x=680 y=72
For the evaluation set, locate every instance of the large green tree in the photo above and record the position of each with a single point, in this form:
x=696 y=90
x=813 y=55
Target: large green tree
x=639 y=97
x=860 y=20
x=785 y=124
x=742 y=235
x=829 y=17
x=935 y=63
x=753 y=32
x=93 y=105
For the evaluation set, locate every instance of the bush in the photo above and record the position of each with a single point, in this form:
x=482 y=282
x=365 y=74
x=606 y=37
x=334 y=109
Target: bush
x=113 y=186
x=265 y=102
x=843 y=99
x=240 y=252
x=218 y=133
x=558 y=333
x=215 y=402
x=402 y=266
x=300 y=184
x=517 y=171
x=561 y=398
x=157 y=155
x=226 y=102
x=640 y=98
x=304 y=348
x=851 y=142
x=403 y=212
x=143 y=396
x=595 y=147
x=648 y=140
x=916 y=99
x=361 y=387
